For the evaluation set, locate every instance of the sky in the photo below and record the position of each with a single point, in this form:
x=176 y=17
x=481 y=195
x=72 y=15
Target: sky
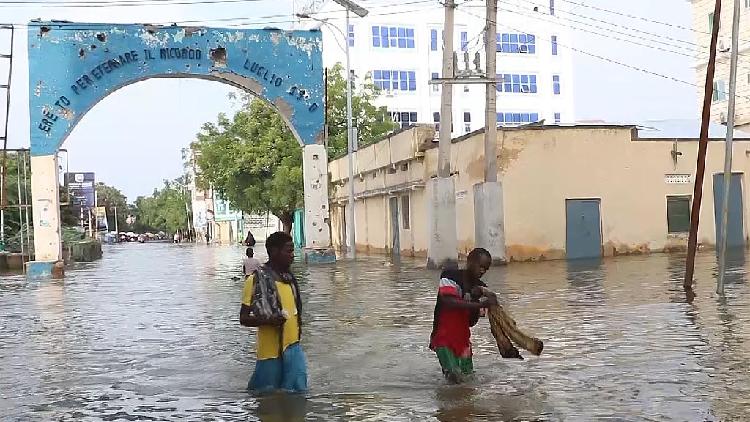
x=133 y=138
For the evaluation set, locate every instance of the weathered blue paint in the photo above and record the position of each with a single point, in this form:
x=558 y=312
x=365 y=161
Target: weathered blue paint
x=73 y=66
x=39 y=270
x=583 y=233
x=735 y=226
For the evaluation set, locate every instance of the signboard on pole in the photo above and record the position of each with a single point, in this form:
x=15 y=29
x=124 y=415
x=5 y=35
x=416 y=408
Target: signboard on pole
x=82 y=191
x=101 y=219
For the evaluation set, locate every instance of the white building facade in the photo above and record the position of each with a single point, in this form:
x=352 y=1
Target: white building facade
x=400 y=49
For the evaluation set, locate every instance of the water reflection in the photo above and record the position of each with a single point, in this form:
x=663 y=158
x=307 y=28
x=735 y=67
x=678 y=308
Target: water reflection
x=151 y=332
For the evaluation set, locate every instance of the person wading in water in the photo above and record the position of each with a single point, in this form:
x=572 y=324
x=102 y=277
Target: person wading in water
x=461 y=297
x=271 y=301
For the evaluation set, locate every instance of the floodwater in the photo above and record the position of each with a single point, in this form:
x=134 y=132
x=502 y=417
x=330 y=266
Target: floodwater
x=150 y=333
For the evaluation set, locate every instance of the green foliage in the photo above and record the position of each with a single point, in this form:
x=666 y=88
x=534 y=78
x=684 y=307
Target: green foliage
x=14 y=220
x=165 y=210
x=254 y=161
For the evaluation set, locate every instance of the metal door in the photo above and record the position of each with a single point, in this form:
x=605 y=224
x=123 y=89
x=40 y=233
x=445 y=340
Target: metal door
x=583 y=237
x=395 y=241
x=735 y=225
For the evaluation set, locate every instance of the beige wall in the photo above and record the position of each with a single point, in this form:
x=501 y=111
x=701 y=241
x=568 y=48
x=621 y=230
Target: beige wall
x=542 y=167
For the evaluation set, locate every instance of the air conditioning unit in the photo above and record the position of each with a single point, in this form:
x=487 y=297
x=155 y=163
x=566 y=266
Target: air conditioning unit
x=723 y=118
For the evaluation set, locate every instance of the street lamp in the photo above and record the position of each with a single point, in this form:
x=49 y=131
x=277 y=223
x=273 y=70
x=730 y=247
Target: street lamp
x=351 y=141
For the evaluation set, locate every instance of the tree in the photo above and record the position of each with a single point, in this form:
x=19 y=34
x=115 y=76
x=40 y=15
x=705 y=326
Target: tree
x=111 y=198
x=164 y=210
x=254 y=161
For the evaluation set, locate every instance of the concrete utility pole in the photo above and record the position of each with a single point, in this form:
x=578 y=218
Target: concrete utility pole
x=702 y=147
x=442 y=251
x=728 y=147
x=489 y=232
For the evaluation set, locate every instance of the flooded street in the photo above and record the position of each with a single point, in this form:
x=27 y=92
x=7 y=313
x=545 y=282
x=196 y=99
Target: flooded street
x=151 y=332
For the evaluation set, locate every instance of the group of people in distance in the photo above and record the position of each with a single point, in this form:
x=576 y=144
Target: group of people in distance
x=271 y=302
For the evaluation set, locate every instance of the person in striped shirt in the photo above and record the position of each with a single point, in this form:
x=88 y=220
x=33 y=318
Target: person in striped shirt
x=462 y=298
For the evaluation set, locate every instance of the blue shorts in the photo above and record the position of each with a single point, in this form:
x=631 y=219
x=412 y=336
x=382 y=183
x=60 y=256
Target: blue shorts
x=288 y=373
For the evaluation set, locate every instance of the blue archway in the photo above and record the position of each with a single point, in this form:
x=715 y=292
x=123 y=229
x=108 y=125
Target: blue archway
x=73 y=66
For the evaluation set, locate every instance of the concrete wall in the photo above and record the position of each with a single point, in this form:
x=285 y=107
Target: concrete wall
x=542 y=167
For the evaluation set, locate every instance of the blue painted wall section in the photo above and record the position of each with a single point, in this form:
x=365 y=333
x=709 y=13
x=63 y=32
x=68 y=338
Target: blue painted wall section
x=73 y=66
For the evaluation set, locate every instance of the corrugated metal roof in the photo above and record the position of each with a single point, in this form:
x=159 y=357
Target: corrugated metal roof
x=684 y=129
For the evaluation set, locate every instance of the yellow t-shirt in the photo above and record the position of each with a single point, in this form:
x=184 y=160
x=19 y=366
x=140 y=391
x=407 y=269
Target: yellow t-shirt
x=268 y=337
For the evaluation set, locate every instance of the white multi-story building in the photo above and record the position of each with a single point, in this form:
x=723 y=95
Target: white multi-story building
x=400 y=48
x=703 y=17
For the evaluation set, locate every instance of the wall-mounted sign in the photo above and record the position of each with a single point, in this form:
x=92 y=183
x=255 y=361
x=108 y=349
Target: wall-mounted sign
x=678 y=179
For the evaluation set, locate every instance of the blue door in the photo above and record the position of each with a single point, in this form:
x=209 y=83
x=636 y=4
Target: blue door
x=583 y=235
x=735 y=225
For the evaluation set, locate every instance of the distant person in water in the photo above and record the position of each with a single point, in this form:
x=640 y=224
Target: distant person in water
x=249 y=264
x=462 y=298
x=271 y=301
x=250 y=239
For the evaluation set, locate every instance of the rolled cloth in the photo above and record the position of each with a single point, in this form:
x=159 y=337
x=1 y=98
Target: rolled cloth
x=506 y=333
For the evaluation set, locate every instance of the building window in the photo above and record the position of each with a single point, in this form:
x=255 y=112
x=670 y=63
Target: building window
x=558 y=117
x=405 y=223
x=554 y=44
x=556 y=84
x=404 y=118
x=552 y=7
x=397 y=80
x=433 y=40
x=512 y=82
x=351 y=35
x=515 y=43
x=711 y=22
x=464 y=40
x=720 y=92
x=678 y=214
x=392 y=37
x=435 y=87
x=515 y=119
x=747 y=3
x=467 y=121
x=436 y=119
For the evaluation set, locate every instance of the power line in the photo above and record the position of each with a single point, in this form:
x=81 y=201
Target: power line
x=694 y=46
x=238 y=22
x=652 y=47
x=116 y=3
x=607 y=59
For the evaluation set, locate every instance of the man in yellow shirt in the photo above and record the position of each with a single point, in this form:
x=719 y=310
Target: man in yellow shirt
x=271 y=302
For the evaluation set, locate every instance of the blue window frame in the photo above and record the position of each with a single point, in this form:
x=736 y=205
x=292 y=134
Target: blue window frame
x=435 y=87
x=556 y=84
x=436 y=119
x=395 y=80
x=552 y=7
x=351 y=35
x=558 y=117
x=404 y=118
x=515 y=43
x=392 y=37
x=464 y=40
x=517 y=83
x=554 y=45
x=433 y=40
x=516 y=118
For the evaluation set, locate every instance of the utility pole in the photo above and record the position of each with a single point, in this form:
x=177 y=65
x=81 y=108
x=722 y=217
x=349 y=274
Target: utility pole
x=490 y=111
x=728 y=147
x=446 y=95
x=702 y=147
x=442 y=247
x=489 y=231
